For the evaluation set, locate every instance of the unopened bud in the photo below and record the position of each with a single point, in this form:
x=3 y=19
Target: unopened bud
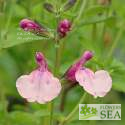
x=69 y=4
x=31 y=26
x=87 y=55
x=64 y=27
x=49 y=7
x=40 y=59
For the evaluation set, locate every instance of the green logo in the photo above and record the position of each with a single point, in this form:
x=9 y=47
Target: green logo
x=87 y=112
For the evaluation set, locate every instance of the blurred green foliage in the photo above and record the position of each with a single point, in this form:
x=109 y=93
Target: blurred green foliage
x=90 y=32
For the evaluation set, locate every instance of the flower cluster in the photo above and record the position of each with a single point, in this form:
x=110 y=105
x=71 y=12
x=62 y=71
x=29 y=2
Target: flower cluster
x=63 y=28
x=41 y=86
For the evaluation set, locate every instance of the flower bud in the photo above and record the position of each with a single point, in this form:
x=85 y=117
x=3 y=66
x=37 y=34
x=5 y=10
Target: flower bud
x=64 y=27
x=31 y=26
x=49 y=7
x=69 y=4
x=40 y=59
x=87 y=55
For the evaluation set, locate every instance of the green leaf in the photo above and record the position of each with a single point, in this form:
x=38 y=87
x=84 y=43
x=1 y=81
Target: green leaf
x=95 y=10
x=119 y=83
x=42 y=113
x=22 y=118
x=117 y=70
x=17 y=37
x=96 y=15
x=98 y=19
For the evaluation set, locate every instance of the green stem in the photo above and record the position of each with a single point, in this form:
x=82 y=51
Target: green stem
x=56 y=72
x=94 y=26
x=106 y=15
x=50 y=106
x=81 y=11
x=118 y=36
x=94 y=31
x=74 y=111
x=57 y=62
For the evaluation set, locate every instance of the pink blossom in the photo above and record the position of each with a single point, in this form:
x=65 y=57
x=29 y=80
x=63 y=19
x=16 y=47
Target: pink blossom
x=97 y=84
x=40 y=85
x=70 y=74
x=64 y=27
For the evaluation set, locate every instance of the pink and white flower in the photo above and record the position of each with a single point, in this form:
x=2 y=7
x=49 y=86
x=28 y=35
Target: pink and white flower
x=40 y=85
x=97 y=84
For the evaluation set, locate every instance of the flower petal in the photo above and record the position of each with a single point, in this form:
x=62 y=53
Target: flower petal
x=49 y=87
x=102 y=83
x=84 y=77
x=38 y=86
x=26 y=87
x=97 y=84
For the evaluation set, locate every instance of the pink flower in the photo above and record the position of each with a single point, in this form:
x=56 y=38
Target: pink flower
x=97 y=84
x=64 y=27
x=70 y=74
x=40 y=85
x=34 y=27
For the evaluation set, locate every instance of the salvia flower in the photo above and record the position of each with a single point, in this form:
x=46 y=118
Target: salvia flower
x=40 y=85
x=34 y=27
x=70 y=74
x=64 y=27
x=97 y=84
